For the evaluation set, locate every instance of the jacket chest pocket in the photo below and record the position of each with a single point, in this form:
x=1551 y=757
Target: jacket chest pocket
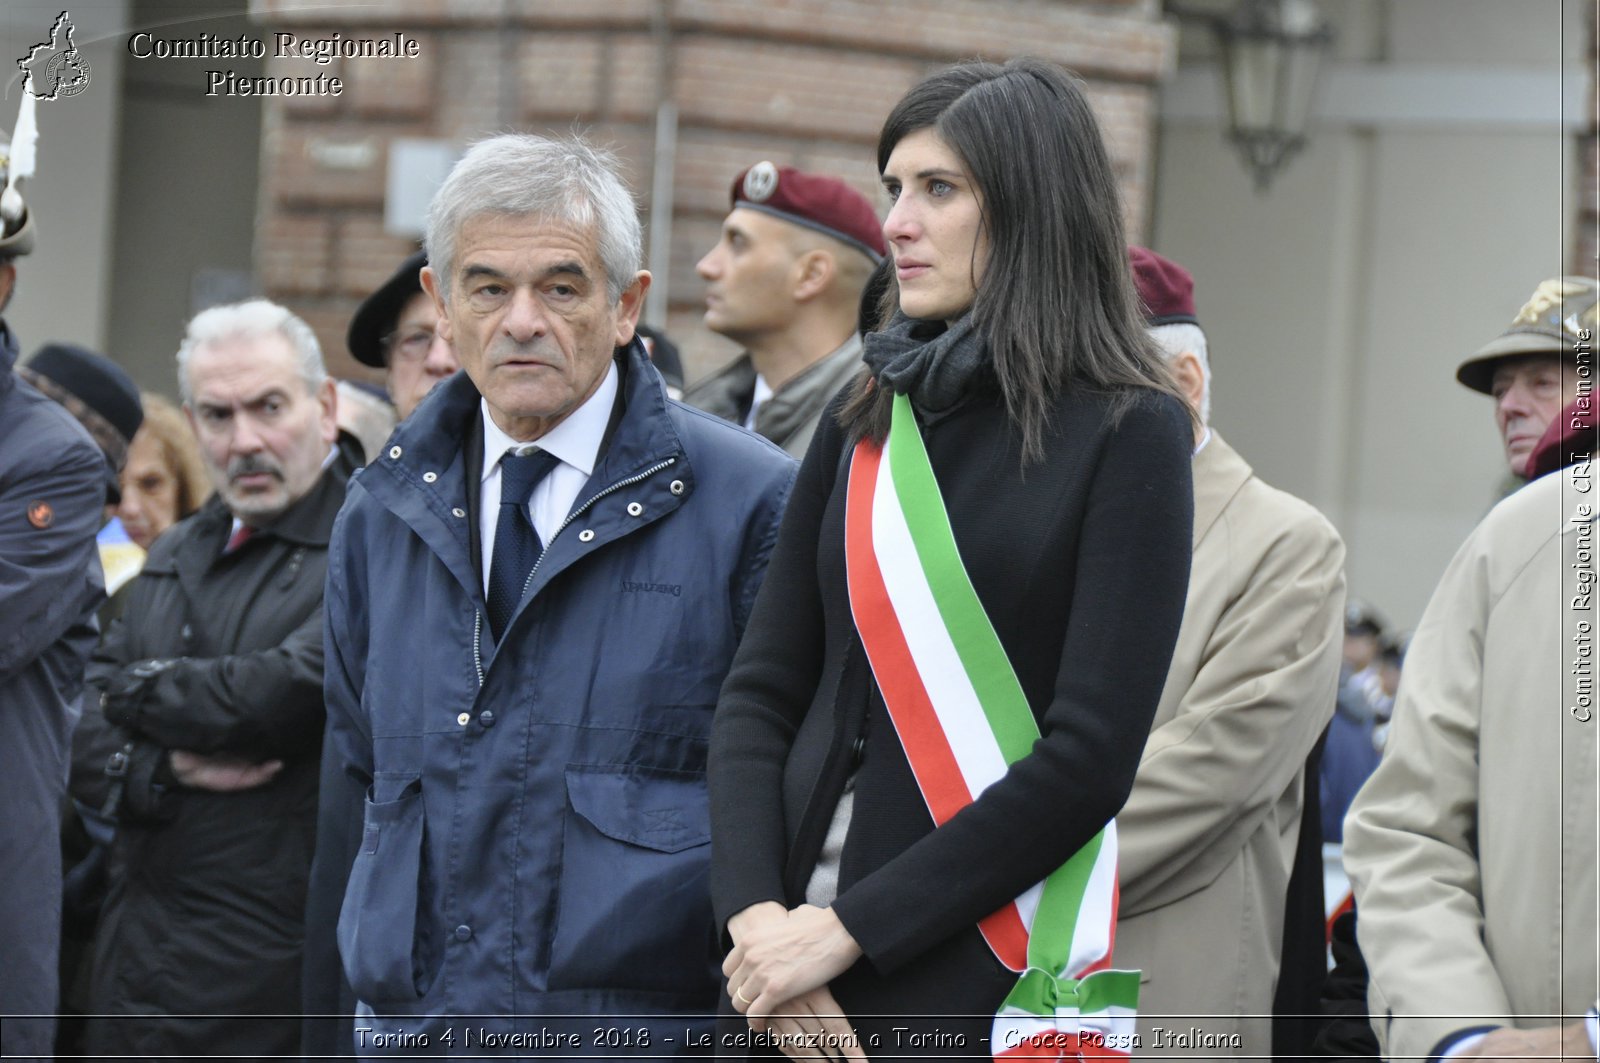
x=634 y=906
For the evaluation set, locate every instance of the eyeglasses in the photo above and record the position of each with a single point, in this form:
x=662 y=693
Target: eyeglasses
x=409 y=346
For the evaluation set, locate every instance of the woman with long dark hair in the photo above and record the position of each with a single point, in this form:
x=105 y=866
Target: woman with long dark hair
x=943 y=693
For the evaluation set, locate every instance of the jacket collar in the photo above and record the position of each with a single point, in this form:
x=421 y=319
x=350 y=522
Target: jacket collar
x=423 y=476
x=309 y=522
x=431 y=438
x=1219 y=473
x=729 y=391
x=642 y=435
x=801 y=397
x=726 y=392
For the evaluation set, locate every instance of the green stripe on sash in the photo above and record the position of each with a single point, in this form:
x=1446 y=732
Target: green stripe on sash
x=983 y=658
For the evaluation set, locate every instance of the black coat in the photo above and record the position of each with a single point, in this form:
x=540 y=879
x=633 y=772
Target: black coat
x=1081 y=562
x=207 y=890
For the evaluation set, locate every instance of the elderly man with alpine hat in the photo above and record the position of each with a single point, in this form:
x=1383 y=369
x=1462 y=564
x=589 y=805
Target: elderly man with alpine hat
x=1472 y=846
x=1209 y=833
x=785 y=280
x=533 y=598
x=53 y=489
x=1530 y=370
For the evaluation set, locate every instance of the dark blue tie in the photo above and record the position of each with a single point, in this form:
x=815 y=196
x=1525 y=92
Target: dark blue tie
x=516 y=544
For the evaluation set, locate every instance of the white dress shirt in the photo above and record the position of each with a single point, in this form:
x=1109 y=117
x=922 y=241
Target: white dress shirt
x=576 y=441
x=762 y=393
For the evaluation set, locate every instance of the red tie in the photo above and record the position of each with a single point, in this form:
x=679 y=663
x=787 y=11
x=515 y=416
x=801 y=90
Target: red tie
x=238 y=538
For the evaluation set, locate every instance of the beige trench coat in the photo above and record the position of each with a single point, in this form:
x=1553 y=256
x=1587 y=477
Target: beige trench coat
x=1208 y=835
x=1472 y=847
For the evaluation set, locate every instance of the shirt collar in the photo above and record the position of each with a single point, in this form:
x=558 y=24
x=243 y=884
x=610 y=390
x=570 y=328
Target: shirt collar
x=758 y=399
x=576 y=440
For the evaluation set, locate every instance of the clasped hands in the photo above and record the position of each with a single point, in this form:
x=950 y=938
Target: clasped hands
x=778 y=975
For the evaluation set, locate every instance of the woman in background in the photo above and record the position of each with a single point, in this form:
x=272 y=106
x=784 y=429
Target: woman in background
x=163 y=481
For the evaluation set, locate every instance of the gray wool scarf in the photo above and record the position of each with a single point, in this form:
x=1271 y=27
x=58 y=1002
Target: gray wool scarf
x=932 y=363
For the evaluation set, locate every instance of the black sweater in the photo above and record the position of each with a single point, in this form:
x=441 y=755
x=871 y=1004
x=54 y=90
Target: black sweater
x=1081 y=562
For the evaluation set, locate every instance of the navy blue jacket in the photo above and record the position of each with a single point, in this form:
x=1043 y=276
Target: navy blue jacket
x=536 y=828
x=52 y=500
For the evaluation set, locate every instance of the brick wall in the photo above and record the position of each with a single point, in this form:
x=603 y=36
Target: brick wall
x=805 y=82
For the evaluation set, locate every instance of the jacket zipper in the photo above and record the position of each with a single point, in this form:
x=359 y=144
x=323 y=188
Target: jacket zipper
x=477 y=627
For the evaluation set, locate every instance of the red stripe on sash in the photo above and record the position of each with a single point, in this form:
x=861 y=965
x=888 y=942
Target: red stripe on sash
x=1007 y=937
x=915 y=722
x=934 y=765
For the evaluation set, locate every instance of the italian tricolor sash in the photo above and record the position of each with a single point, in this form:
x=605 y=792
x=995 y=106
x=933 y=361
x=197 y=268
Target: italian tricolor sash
x=963 y=718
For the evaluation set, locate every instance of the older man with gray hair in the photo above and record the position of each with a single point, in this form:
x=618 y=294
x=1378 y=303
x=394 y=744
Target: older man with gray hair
x=1209 y=834
x=210 y=691
x=533 y=597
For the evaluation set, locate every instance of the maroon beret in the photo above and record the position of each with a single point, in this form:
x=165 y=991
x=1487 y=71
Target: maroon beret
x=1165 y=288
x=825 y=204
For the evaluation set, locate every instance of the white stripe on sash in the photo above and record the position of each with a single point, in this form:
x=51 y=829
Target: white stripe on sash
x=949 y=689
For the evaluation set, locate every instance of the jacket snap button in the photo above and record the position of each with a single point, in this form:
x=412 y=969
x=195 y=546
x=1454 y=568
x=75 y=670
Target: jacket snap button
x=587 y=535
x=458 y=512
x=634 y=509
x=429 y=477
x=394 y=452
x=464 y=719
x=486 y=718
x=463 y=932
x=676 y=487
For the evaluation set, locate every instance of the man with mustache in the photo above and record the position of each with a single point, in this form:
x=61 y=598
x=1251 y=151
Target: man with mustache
x=533 y=597
x=211 y=683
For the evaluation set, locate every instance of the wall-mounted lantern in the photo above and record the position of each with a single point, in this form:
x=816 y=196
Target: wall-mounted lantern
x=1272 y=53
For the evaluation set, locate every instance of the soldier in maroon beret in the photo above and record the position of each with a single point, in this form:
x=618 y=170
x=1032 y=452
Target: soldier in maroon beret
x=785 y=280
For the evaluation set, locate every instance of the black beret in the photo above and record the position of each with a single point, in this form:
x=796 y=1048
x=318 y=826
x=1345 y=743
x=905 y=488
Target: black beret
x=96 y=382
x=376 y=316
